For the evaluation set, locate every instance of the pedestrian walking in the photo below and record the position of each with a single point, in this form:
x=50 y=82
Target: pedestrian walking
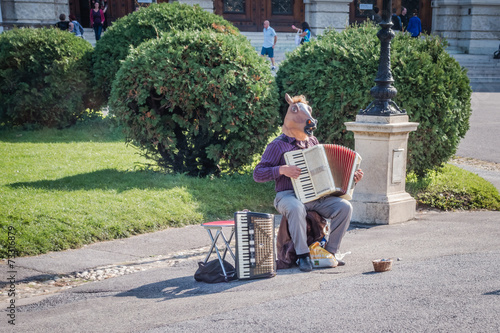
x=97 y=19
x=270 y=39
x=376 y=17
x=75 y=27
x=396 y=21
x=414 y=25
x=304 y=33
x=404 y=18
x=103 y=5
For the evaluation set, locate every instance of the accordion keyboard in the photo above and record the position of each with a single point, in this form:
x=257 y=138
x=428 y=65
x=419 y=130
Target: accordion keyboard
x=306 y=185
x=245 y=245
x=255 y=255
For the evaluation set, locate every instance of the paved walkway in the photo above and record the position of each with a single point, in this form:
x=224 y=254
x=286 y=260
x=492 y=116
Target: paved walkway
x=445 y=278
x=479 y=149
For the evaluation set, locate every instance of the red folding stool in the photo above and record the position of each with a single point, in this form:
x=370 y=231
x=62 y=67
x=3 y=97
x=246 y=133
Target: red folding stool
x=218 y=226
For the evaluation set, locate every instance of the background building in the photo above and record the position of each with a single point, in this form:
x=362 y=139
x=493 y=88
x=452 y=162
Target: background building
x=470 y=26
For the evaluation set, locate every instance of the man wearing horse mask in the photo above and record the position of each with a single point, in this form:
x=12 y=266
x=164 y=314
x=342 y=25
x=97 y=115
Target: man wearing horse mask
x=297 y=133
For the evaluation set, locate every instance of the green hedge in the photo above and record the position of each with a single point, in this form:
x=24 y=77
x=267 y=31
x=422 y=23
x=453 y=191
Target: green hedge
x=197 y=102
x=142 y=25
x=44 y=77
x=337 y=71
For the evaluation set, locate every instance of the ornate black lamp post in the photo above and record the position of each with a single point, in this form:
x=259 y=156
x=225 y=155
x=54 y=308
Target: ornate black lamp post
x=384 y=92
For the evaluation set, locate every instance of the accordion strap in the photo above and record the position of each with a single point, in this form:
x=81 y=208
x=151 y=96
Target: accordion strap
x=283 y=138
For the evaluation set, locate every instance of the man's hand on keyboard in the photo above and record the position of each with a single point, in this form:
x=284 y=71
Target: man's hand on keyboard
x=291 y=171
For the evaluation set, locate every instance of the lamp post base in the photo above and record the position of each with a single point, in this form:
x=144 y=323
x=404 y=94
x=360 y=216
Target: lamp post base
x=380 y=198
x=395 y=208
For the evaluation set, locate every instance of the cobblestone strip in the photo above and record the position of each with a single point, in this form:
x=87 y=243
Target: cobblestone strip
x=485 y=165
x=60 y=282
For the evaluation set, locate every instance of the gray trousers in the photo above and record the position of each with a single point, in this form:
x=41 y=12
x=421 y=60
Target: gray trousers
x=338 y=210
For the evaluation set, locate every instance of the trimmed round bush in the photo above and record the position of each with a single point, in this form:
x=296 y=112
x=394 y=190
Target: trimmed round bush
x=337 y=71
x=44 y=77
x=143 y=25
x=197 y=102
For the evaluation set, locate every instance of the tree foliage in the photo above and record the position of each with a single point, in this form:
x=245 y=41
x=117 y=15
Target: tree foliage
x=142 y=25
x=196 y=102
x=44 y=77
x=336 y=73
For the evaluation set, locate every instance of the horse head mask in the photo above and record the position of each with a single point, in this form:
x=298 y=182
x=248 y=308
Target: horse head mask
x=299 y=122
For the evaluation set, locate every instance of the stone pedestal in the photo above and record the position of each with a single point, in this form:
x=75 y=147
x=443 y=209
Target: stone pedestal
x=380 y=198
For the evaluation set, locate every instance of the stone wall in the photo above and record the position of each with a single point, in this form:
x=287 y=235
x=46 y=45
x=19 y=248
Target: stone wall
x=471 y=26
x=32 y=13
x=320 y=14
x=323 y=14
x=208 y=5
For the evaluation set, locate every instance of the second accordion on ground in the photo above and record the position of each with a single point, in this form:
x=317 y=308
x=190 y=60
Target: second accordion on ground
x=326 y=170
x=255 y=255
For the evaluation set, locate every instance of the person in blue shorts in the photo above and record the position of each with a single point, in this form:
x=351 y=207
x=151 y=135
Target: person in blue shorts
x=270 y=40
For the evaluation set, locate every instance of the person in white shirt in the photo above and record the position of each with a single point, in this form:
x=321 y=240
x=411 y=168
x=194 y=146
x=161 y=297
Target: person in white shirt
x=270 y=40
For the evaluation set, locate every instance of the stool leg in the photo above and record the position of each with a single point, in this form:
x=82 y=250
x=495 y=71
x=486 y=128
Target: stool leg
x=221 y=261
x=228 y=245
x=214 y=241
x=214 y=245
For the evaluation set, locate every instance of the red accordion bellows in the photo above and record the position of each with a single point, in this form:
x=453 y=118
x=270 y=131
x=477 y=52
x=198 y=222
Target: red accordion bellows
x=341 y=160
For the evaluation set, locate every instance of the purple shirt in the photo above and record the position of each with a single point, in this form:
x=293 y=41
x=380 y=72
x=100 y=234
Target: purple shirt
x=272 y=159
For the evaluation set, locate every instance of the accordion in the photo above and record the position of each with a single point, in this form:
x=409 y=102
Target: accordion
x=326 y=170
x=255 y=255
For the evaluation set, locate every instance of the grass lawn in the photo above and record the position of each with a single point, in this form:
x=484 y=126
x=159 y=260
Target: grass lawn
x=453 y=188
x=62 y=189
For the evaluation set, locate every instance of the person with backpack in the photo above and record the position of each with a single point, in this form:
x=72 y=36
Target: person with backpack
x=396 y=21
x=75 y=27
x=376 y=18
x=62 y=24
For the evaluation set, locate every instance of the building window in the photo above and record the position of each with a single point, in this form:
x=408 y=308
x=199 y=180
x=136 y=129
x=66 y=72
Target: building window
x=364 y=8
x=234 y=6
x=282 y=7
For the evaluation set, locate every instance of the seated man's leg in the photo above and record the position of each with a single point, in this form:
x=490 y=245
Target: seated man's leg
x=288 y=205
x=339 y=211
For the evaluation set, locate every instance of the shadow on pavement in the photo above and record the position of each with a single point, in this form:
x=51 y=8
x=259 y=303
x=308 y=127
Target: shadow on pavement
x=181 y=287
x=187 y=286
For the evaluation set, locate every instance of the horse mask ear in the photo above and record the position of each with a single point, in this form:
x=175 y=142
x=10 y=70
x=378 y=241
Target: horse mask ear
x=290 y=102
